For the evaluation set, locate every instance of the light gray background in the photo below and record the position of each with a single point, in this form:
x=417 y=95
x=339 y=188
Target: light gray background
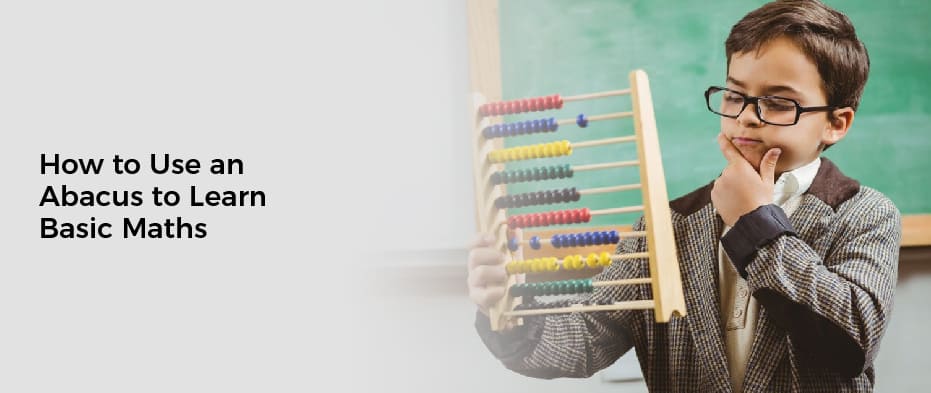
x=351 y=116
x=336 y=109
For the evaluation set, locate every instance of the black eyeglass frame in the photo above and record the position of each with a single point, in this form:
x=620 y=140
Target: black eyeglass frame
x=755 y=101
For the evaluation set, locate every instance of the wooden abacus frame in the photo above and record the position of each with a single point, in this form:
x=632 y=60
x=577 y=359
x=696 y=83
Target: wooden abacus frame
x=661 y=251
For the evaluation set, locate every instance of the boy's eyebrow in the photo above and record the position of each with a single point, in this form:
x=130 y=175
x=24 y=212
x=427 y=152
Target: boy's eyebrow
x=768 y=89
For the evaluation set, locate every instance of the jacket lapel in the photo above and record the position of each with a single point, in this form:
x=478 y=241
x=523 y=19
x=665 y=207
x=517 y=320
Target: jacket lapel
x=702 y=297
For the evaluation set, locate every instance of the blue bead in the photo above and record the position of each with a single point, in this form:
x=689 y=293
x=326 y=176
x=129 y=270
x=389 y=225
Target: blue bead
x=499 y=130
x=535 y=242
x=489 y=132
x=536 y=126
x=513 y=245
x=615 y=238
x=552 y=124
x=599 y=237
x=573 y=240
x=581 y=120
x=555 y=241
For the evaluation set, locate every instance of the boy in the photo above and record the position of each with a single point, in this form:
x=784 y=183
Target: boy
x=788 y=266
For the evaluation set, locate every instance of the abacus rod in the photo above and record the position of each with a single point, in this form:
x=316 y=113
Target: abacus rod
x=633 y=255
x=606 y=141
x=603 y=190
x=591 y=96
x=617 y=210
x=609 y=116
x=606 y=165
x=622 y=235
x=628 y=305
x=629 y=281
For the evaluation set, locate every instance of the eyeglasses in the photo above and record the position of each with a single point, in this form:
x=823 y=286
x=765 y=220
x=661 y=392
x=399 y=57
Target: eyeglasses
x=778 y=111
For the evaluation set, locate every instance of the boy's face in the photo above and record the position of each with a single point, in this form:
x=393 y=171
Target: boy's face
x=781 y=69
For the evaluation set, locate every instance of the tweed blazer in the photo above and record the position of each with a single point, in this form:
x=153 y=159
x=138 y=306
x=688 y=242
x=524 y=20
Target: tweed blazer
x=825 y=297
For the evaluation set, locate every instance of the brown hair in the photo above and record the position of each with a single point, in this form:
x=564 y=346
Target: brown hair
x=825 y=35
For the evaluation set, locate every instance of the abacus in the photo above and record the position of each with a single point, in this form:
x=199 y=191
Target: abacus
x=492 y=201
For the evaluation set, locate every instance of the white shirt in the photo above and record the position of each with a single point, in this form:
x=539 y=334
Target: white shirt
x=739 y=310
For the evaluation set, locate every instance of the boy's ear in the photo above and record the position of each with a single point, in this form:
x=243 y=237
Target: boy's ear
x=839 y=122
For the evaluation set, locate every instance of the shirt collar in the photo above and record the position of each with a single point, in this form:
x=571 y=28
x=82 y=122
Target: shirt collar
x=795 y=182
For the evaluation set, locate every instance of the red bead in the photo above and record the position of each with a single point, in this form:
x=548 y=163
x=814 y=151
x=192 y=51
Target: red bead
x=560 y=217
x=547 y=102
x=547 y=219
x=513 y=221
x=586 y=215
x=558 y=101
x=534 y=104
x=495 y=109
x=524 y=105
x=576 y=215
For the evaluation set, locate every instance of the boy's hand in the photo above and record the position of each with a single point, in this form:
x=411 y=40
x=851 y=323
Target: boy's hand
x=487 y=276
x=741 y=189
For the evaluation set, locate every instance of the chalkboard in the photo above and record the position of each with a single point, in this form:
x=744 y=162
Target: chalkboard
x=572 y=47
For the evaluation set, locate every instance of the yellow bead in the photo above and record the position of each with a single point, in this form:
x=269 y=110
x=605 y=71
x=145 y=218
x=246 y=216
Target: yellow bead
x=605 y=259
x=566 y=148
x=551 y=265
x=592 y=260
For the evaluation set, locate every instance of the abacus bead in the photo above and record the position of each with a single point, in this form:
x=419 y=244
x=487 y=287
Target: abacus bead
x=615 y=237
x=592 y=260
x=552 y=125
x=574 y=195
x=605 y=259
x=535 y=242
x=579 y=263
x=586 y=214
x=581 y=120
x=569 y=171
x=513 y=244
x=557 y=101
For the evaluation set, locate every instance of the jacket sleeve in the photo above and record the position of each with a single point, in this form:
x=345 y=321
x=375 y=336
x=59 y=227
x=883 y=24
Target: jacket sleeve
x=574 y=344
x=834 y=309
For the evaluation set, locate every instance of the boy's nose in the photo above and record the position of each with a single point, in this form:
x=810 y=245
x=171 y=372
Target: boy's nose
x=749 y=117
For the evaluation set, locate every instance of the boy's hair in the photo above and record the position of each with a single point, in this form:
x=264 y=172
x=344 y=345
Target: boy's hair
x=825 y=35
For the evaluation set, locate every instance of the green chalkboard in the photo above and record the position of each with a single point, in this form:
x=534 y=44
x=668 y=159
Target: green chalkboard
x=580 y=46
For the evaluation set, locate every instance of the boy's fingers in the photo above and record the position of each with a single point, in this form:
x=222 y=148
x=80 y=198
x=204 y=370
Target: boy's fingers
x=731 y=154
x=485 y=256
x=482 y=240
x=489 y=297
x=488 y=276
x=768 y=165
